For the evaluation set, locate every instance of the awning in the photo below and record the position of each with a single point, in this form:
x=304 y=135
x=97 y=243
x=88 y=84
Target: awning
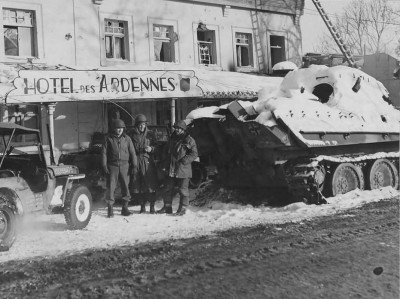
x=219 y=84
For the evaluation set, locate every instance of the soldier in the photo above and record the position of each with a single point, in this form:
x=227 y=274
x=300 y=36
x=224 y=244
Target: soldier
x=145 y=182
x=182 y=151
x=118 y=155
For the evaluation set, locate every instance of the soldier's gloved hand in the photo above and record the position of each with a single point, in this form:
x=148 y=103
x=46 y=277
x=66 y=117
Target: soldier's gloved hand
x=106 y=171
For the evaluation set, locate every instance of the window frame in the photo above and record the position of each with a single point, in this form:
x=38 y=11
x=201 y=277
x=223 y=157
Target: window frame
x=251 y=67
x=37 y=38
x=129 y=44
x=20 y=112
x=215 y=28
x=283 y=34
x=167 y=23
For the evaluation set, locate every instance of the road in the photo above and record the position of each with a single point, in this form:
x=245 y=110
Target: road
x=353 y=254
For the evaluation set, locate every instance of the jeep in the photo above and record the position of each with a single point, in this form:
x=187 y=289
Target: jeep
x=29 y=185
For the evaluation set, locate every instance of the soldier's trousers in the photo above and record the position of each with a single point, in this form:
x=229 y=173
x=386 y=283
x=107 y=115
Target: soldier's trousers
x=121 y=174
x=177 y=187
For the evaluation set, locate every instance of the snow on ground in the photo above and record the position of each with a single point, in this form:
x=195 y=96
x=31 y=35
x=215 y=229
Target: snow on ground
x=47 y=235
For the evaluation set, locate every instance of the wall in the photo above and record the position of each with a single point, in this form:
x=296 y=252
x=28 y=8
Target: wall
x=280 y=25
x=82 y=21
x=381 y=67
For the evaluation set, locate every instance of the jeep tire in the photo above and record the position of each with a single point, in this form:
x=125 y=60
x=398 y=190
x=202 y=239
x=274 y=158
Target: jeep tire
x=78 y=207
x=8 y=224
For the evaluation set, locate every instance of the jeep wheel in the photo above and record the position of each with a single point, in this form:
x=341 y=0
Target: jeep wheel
x=8 y=225
x=78 y=207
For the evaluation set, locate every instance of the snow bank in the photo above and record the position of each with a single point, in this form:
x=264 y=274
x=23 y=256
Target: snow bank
x=48 y=236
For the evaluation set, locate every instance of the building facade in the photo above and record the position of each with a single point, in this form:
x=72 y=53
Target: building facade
x=241 y=36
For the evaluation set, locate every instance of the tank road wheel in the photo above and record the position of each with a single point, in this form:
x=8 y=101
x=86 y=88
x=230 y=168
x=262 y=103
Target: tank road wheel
x=382 y=173
x=346 y=177
x=8 y=225
x=78 y=207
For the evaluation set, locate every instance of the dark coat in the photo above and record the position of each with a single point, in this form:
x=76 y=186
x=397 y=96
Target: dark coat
x=182 y=151
x=118 y=151
x=146 y=178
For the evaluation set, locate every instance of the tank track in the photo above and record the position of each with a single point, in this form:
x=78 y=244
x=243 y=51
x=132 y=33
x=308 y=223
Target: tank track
x=305 y=177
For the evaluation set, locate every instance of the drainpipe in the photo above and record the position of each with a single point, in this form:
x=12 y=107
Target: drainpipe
x=75 y=37
x=51 y=107
x=173 y=116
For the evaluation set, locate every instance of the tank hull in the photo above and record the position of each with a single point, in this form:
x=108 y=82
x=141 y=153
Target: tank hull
x=326 y=131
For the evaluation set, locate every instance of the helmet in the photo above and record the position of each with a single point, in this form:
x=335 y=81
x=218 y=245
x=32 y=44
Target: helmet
x=117 y=123
x=180 y=124
x=140 y=118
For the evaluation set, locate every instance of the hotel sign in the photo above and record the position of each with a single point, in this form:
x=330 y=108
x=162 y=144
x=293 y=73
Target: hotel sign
x=32 y=86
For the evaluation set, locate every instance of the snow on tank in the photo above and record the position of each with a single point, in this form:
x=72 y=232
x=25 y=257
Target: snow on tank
x=324 y=99
x=329 y=99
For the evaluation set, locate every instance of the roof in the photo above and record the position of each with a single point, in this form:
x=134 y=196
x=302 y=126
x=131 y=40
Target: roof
x=220 y=84
x=7 y=128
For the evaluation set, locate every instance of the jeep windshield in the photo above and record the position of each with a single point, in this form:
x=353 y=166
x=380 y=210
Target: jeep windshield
x=17 y=142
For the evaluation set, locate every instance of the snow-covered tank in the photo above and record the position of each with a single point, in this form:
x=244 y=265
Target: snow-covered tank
x=323 y=132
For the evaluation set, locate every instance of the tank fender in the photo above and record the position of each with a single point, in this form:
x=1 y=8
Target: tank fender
x=13 y=199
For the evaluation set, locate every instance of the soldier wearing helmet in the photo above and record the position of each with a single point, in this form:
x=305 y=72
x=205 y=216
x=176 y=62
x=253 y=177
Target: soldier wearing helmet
x=145 y=181
x=118 y=156
x=182 y=151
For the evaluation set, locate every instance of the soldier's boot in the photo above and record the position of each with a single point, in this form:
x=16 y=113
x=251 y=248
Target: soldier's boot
x=152 y=199
x=168 y=210
x=142 y=207
x=125 y=211
x=165 y=210
x=110 y=211
x=152 y=210
x=181 y=210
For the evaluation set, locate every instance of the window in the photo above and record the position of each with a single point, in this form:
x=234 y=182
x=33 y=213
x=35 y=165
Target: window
x=277 y=49
x=163 y=43
x=206 y=45
x=115 y=39
x=19 y=32
x=163 y=113
x=23 y=115
x=244 y=49
x=22 y=28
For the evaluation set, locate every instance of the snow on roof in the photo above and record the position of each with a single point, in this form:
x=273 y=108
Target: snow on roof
x=233 y=84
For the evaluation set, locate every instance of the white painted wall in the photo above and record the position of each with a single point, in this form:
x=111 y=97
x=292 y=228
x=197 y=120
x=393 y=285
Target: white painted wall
x=82 y=20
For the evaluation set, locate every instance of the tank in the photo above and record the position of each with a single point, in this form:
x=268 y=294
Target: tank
x=323 y=132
